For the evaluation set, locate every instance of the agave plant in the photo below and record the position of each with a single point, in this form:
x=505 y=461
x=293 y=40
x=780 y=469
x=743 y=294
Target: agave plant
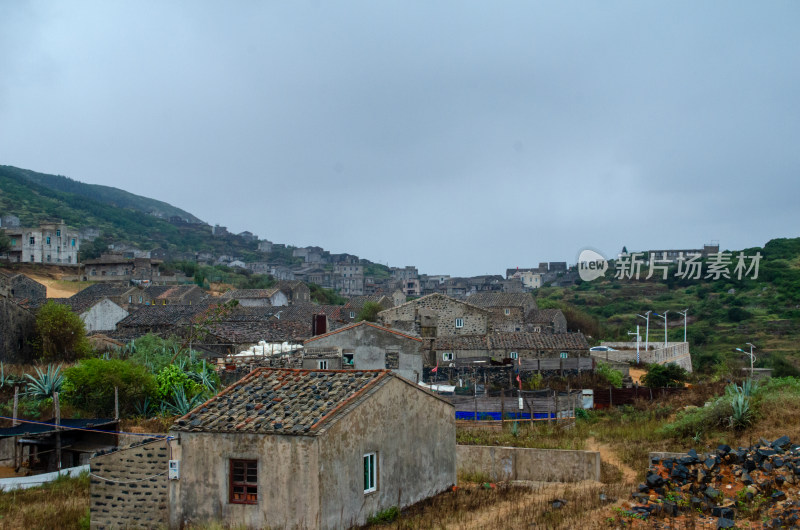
x=180 y=405
x=204 y=378
x=6 y=380
x=741 y=416
x=143 y=407
x=44 y=384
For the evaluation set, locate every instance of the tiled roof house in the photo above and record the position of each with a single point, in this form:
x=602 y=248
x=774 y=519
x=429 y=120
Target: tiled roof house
x=287 y=448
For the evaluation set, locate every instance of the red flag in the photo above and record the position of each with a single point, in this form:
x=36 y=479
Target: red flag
x=518 y=379
x=435 y=369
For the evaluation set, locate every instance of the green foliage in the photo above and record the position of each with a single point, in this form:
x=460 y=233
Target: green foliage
x=61 y=334
x=44 y=384
x=369 y=312
x=5 y=242
x=384 y=517
x=614 y=377
x=179 y=403
x=90 y=386
x=665 y=375
x=172 y=378
x=151 y=351
x=324 y=296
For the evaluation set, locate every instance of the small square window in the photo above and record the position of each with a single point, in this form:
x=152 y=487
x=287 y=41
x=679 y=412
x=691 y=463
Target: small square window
x=244 y=482
x=459 y=322
x=370 y=473
x=564 y=355
x=352 y=314
x=32 y=240
x=322 y=365
x=447 y=356
x=514 y=355
x=507 y=311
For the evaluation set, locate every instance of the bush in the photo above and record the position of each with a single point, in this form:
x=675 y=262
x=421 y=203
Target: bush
x=172 y=378
x=614 y=377
x=665 y=375
x=90 y=386
x=60 y=333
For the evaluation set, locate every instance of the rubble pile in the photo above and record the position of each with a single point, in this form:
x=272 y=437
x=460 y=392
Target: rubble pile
x=759 y=484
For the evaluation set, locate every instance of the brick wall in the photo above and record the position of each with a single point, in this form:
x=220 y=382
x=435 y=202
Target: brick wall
x=138 y=497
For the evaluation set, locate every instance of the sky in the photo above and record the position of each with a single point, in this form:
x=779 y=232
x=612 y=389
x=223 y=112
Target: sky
x=460 y=137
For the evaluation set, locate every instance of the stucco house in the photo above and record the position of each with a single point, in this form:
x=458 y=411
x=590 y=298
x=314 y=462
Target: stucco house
x=435 y=315
x=288 y=448
x=366 y=346
x=97 y=314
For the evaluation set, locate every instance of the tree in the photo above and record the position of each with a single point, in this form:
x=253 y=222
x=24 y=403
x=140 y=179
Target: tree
x=5 y=242
x=90 y=386
x=60 y=333
x=369 y=312
x=665 y=375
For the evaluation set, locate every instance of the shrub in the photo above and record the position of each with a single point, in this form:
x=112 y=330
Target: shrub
x=90 y=386
x=665 y=375
x=614 y=377
x=171 y=378
x=60 y=333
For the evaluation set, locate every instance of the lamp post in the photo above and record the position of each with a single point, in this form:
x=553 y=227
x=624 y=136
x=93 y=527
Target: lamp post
x=638 y=341
x=664 y=316
x=752 y=357
x=646 y=316
x=684 y=313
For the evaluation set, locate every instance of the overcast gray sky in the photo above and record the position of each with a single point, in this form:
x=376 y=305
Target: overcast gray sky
x=461 y=137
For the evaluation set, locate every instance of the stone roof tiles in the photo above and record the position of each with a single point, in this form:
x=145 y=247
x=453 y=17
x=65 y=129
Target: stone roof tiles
x=249 y=294
x=543 y=315
x=512 y=341
x=364 y=323
x=283 y=401
x=487 y=300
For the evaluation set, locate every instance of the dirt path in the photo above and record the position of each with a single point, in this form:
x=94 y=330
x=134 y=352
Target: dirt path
x=637 y=374
x=607 y=455
x=56 y=289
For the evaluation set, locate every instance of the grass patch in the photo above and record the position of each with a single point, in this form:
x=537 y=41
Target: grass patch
x=61 y=505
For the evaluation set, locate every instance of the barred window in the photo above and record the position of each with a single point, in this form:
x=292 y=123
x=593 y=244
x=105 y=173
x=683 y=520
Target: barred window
x=244 y=482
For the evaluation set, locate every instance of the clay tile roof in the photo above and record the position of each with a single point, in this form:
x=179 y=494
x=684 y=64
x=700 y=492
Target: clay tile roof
x=239 y=294
x=244 y=332
x=283 y=401
x=512 y=341
x=543 y=315
x=161 y=315
x=364 y=323
x=100 y=290
x=486 y=300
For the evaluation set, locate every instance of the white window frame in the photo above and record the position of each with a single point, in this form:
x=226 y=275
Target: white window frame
x=507 y=311
x=459 y=323
x=564 y=355
x=352 y=314
x=370 y=463
x=447 y=356
x=514 y=355
x=322 y=364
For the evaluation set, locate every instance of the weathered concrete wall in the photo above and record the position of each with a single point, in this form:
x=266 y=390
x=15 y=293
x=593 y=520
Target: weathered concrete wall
x=513 y=463
x=103 y=316
x=139 y=497
x=288 y=470
x=415 y=446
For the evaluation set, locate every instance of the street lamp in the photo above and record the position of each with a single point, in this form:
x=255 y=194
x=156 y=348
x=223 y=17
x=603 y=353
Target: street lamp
x=684 y=313
x=646 y=316
x=752 y=357
x=638 y=341
x=664 y=316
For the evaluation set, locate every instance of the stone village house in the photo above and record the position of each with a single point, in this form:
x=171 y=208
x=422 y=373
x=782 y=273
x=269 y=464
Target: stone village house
x=506 y=310
x=286 y=448
x=365 y=346
x=436 y=315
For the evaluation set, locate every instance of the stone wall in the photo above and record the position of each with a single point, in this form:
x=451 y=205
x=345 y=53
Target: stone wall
x=437 y=313
x=17 y=327
x=675 y=352
x=542 y=465
x=138 y=496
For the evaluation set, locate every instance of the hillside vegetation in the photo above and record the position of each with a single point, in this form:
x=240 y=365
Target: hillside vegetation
x=724 y=314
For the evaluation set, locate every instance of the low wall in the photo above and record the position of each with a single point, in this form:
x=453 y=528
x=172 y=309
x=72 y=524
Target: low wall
x=541 y=465
x=676 y=352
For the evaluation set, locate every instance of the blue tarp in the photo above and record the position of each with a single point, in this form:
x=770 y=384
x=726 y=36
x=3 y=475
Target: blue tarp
x=465 y=415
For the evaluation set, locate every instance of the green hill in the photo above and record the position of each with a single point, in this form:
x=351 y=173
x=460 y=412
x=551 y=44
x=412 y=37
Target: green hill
x=103 y=194
x=112 y=211
x=724 y=314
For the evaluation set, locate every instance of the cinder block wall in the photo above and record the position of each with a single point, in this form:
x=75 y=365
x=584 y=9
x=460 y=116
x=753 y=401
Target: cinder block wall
x=138 y=496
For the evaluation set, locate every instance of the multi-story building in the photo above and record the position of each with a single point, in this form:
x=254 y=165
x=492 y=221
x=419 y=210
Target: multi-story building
x=348 y=279
x=51 y=242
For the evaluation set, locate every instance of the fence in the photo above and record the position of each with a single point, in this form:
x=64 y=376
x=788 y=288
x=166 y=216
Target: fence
x=611 y=397
x=516 y=405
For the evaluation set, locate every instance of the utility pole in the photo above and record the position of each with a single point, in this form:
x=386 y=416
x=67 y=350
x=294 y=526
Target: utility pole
x=638 y=341
x=752 y=358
